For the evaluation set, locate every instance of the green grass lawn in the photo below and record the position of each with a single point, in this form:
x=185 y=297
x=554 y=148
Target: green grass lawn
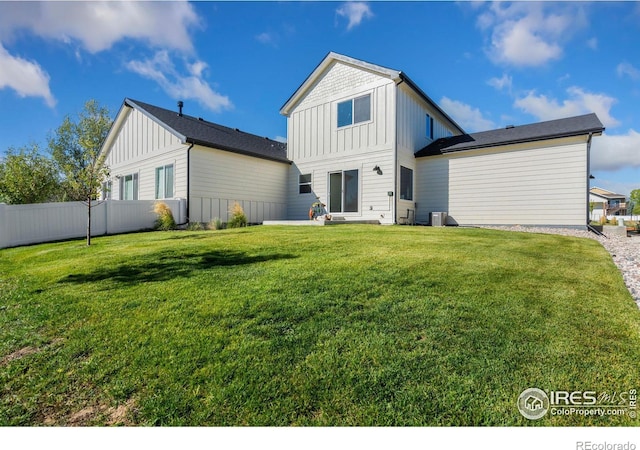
x=341 y=325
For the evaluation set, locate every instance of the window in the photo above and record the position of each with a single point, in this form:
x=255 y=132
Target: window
x=429 y=126
x=343 y=191
x=107 y=186
x=406 y=183
x=129 y=187
x=164 y=181
x=354 y=111
x=305 y=183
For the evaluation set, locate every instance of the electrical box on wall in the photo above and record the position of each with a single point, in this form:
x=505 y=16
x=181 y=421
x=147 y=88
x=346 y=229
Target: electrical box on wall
x=390 y=193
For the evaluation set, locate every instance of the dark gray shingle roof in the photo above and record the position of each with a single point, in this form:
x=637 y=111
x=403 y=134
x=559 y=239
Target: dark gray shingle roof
x=209 y=134
x=572 y=126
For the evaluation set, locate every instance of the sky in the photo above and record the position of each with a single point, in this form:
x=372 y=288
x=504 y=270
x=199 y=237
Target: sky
x=488 y=65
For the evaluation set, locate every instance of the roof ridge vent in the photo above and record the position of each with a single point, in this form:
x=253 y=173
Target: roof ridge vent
x=508 y=127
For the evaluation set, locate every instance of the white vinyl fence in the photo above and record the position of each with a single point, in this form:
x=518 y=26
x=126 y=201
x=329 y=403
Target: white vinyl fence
x=45 y=222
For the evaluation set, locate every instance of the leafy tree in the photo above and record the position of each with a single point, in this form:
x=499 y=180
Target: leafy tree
x=635 y=199
x=75 y=146
x=26 y=176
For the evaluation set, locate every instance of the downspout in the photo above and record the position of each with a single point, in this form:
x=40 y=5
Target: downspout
x=188 y=179
x=588 y=175
x=394 y=212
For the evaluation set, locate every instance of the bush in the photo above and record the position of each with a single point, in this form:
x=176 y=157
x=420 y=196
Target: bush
x=165 y=220
x=195 y=226
x=238 y=217
x=215 y=224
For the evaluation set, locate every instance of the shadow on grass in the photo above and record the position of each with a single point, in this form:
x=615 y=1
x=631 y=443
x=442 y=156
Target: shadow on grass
x=166 y=266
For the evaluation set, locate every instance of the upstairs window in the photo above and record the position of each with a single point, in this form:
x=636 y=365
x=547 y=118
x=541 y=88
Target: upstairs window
x=429 y=126
x=354 y=111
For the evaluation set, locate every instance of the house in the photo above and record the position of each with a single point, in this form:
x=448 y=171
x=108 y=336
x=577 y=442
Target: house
x=156 y=153
x=367 y=142
x=606 y=203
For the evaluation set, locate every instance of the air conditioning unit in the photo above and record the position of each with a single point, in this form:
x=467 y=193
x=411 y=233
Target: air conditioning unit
x=438 y=219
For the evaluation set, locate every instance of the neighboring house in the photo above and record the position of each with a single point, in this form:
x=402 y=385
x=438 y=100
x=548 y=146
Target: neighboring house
x=606 y=203
x=370 y=144
x=366 y=141
x=155 y=153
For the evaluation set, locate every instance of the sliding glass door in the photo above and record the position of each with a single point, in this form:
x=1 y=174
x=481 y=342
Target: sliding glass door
x=343 y=191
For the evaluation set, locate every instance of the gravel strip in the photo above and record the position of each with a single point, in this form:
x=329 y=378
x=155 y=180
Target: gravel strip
x=625 y=252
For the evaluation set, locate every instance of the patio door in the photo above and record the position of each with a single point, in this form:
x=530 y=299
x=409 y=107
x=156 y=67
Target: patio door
x=343 y=191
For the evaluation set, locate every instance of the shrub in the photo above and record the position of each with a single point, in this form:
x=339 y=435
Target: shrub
x=195 y=226
x=215 y=224
x=165 y=220
x=238 y=217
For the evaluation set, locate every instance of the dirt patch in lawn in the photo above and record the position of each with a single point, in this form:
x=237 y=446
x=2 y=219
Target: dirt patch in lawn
x=25 y=351
x=120 y=415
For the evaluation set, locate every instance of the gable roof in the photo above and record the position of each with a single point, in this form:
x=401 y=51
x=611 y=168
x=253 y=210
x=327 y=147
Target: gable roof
x=201 y=132
x=559 y=128
x=396 y=75
x=605 y=193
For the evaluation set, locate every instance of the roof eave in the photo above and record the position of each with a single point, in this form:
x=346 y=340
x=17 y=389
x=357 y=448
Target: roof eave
x=591 y=132
x=236 y=150
x=329 y=59
x=403 y=77
x=133 y=104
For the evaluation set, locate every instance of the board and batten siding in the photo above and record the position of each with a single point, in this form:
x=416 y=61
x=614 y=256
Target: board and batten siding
x=141 y=146
x=412 y=136
x=373 y=201
x=317 y=146
x=538 y=185
x=220 y=178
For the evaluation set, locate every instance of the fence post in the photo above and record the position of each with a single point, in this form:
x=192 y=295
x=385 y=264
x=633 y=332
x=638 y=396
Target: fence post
x=4 y=239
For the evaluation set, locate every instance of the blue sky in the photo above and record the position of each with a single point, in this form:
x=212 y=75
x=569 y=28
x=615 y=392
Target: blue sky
x=236 y=63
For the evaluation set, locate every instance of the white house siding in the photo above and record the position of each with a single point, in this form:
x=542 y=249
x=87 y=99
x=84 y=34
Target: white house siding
x=373 y=204
x=412 y=113
x=140 y=146
x=540 y=184
x=317 y=146
x=221 y=178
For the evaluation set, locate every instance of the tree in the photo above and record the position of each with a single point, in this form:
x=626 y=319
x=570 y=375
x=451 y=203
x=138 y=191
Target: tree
x=75 y=146
x=635 y=199
x=26 y=176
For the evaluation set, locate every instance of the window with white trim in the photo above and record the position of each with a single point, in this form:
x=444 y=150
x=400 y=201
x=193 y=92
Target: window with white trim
x=105 y=190
x=354 y=111
x=164 y=181
x=429 y=126
x=129 y=187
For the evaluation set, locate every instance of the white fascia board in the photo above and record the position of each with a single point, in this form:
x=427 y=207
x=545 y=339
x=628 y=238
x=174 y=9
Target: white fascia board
x=330 y=59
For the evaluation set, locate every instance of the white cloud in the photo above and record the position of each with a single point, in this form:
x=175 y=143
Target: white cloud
x=25 y=77
x=626 y=69
x=579 y=102
x=355 y=12
x=467 y=117
x=504 y=83
x=614 y=152
x=593 y=43
x=266 y=38
x=162 y=70
x=526 y=34
x=98 y=25
x=280 y=139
